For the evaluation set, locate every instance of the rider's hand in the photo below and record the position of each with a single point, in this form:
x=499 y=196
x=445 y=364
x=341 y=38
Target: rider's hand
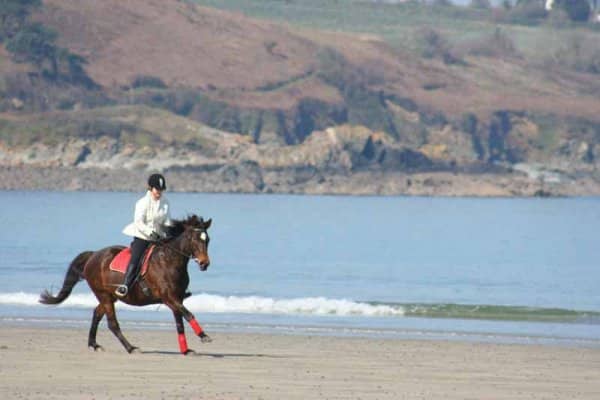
x=154 y=237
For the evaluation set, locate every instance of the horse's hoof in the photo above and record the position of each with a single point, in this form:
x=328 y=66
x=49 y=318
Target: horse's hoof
x=134 y=350
x=96 y=347
x=188 y=351
x=205 y=338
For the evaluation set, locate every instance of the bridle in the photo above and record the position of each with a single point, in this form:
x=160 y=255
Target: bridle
x=176 y=250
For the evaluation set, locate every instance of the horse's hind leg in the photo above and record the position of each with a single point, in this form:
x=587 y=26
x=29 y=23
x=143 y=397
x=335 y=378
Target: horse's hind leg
x=96 y=318
x=113 y=325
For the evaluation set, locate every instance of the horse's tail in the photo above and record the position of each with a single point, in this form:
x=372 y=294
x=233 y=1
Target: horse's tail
x=74 y=275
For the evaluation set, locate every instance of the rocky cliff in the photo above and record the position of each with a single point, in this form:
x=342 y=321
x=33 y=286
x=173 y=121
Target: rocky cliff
x=223 y=102
x=339 y=160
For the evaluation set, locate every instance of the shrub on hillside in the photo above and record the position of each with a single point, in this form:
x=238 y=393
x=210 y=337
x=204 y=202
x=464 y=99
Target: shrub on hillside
x=34 y=43
x=13 y=14
x=498 y=44
x=333 y=67
x=559 y=19
x=577 y=10
x=526 y=12
x=148 y=81
x=43 y=95
x=337 y=71
x=580 y=54
x=364 y=105
x=434 y=45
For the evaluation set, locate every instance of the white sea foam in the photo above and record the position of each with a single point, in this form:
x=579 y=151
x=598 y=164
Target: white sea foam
x=234 y=304
x=305 y=305
x=31 y=299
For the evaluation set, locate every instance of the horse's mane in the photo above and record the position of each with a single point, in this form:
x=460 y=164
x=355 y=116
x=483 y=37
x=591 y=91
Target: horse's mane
x=179 y=225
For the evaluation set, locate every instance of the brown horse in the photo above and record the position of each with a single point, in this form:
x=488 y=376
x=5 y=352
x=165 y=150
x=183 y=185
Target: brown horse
x=167 y=280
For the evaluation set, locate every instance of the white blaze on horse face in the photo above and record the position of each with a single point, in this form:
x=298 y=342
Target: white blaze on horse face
x=203 y=236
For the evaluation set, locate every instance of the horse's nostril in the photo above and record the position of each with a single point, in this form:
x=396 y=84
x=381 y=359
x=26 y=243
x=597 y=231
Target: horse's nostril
x=203 y=262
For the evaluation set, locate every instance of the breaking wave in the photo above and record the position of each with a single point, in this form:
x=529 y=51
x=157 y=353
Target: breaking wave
x=210 y=303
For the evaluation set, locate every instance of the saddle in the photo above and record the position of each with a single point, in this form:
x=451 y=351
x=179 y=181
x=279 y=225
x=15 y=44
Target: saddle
x=119 y=263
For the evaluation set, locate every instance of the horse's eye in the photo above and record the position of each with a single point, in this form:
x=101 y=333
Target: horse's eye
x=203 y=236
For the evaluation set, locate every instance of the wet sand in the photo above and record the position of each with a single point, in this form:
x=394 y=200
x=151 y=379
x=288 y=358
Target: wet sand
x=41 y=363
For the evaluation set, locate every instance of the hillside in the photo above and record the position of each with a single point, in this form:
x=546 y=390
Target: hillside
x=293 y=100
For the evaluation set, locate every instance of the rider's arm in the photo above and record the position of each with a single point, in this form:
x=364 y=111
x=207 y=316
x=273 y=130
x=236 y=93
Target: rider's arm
x=139 y=218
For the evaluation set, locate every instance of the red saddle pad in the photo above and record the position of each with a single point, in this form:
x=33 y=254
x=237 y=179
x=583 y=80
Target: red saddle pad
x=119 y=263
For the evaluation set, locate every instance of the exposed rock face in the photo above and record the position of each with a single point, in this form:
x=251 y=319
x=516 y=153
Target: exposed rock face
x=241 y=179
x=341 y=160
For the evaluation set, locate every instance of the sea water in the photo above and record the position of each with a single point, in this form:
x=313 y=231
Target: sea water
x=502 y=270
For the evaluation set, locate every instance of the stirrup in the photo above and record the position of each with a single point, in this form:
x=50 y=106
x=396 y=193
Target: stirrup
x=121 y=290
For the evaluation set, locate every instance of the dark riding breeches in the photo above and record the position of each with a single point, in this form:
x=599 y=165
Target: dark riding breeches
x=138 y=247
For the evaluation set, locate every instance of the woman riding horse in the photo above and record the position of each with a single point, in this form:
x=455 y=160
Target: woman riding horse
x=150 y=220
x=167 y=280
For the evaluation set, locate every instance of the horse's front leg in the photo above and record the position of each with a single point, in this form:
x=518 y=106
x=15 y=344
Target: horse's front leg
x=181 y=334
x=177 y=307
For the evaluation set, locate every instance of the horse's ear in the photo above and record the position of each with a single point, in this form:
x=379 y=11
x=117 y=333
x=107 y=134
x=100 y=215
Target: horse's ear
x=207 y=223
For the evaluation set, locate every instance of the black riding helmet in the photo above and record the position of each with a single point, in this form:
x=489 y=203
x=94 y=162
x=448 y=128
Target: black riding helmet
x=157 y=181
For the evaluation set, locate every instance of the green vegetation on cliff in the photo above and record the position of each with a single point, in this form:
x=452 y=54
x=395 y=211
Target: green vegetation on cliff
x=33 y=43
x=438 y=87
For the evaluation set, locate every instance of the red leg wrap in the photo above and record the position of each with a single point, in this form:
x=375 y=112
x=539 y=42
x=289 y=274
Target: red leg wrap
x=182 y=343
x=196 y=327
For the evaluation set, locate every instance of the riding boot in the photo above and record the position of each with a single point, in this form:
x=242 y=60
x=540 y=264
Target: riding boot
x=138 y=247
x=132 y=272
x=130 y=275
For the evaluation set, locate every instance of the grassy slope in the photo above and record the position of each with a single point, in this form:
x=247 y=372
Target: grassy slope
x=398 y=24
x=486 y=84
x=138 y=124
x=255 y=64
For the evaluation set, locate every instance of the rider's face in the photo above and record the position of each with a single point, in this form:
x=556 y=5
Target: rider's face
x=156 y=193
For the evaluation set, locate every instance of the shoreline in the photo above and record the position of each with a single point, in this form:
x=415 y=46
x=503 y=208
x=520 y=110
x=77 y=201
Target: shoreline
x=429 y=184
x=528 y=333
x=55 y=363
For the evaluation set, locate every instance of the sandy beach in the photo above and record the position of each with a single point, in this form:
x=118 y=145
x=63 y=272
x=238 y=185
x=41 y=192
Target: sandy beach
x=40 y=363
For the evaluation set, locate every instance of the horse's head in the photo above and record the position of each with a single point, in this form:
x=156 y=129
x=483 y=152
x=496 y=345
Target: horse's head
x=193 y=231
x=196 y=230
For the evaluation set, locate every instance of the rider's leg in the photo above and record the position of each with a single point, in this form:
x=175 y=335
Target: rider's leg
x=138 y=246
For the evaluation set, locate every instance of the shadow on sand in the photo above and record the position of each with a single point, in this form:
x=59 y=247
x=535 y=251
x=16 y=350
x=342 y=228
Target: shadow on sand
x=213 y=355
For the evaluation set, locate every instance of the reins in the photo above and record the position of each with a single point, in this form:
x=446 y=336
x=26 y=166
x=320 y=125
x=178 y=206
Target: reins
x=176 y=250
